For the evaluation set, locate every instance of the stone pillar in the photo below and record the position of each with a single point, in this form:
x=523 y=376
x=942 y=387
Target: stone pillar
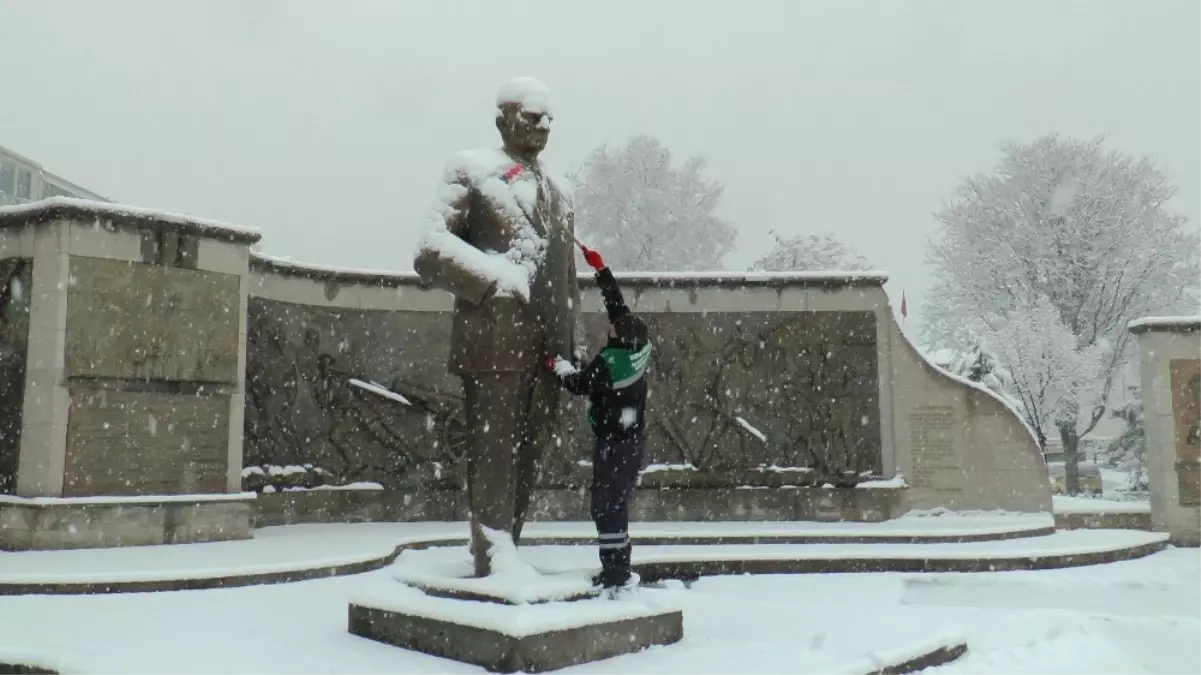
x=1170 y=370
x=136 y=350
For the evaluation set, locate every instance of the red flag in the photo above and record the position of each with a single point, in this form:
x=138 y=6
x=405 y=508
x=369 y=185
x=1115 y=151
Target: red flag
x=904 y=307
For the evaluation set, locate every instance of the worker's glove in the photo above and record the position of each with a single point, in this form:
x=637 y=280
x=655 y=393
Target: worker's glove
x=594 y=259
x=560 y=366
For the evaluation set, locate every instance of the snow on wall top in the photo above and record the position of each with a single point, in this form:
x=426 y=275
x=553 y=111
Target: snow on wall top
x=287 y=266
x=529 y=93
x=57 y=207
x=1176 y=323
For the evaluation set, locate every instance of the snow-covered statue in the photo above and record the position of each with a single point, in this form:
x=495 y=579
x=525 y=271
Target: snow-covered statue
x=501 y=241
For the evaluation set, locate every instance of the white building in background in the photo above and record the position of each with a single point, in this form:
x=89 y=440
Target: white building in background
x=24 y=180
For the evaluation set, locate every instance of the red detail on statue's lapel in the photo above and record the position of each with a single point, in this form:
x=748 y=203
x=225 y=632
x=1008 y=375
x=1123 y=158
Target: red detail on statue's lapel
x=513 y=172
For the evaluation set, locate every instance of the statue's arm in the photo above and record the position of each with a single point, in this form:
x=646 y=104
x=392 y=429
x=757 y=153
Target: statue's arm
x=445 y=258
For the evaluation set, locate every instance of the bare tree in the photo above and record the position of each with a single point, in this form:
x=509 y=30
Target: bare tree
x=1065 y=225
x=810 y=253
x=645 y=214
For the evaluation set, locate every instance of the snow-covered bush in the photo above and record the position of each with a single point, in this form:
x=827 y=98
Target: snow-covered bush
x=275 y=478
x=1129 y=451
x=977 y=363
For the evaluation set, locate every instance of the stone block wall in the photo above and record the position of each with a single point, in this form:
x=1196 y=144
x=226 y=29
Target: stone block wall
x=1170 y=368
x=122 y=345
x=134 y=351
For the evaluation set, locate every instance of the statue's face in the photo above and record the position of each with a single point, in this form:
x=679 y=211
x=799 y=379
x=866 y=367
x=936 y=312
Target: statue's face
x=525 y=131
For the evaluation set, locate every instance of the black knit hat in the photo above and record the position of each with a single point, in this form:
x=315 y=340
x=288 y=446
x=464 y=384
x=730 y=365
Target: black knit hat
x=632 y=332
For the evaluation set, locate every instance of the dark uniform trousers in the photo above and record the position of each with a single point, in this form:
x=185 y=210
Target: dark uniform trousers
x=615 y=466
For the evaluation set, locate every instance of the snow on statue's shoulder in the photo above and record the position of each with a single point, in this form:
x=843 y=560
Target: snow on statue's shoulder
x=529 y=93
x=494 y=175
x=476 y=165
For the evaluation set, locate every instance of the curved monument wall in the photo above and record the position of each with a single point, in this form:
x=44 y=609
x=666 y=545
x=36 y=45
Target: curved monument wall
x=787 y=370
x=958 y=444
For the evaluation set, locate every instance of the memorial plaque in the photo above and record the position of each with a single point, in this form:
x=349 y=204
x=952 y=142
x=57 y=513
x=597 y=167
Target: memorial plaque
x=932 y=439
x=140 y=443
x=136 y=321
x=1186 y=415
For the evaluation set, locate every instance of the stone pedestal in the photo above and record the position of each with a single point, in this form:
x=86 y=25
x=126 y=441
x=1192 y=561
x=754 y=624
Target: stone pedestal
x=1170 y=369
x=507 y=638
x=516 y=619
x=128 y=330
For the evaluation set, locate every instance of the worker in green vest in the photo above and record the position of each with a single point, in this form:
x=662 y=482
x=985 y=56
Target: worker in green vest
x=615 y=383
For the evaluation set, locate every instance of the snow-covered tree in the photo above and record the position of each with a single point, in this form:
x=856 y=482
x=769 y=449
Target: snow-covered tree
x=644 y=214
x=1130 y=449
x=1050 y=373
x=1065 y=225
x=810 y=253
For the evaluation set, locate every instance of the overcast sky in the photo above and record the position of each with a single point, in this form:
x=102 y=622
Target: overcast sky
x=326 y=124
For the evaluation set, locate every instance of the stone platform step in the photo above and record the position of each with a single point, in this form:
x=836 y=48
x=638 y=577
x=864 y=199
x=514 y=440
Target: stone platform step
x=300 y=552
x=1061 y=549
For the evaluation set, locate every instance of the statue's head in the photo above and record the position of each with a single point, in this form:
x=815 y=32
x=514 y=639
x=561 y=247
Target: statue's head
x=523 y=116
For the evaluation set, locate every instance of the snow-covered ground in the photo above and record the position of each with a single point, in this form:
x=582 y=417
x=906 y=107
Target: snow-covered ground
x=1141 y=616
